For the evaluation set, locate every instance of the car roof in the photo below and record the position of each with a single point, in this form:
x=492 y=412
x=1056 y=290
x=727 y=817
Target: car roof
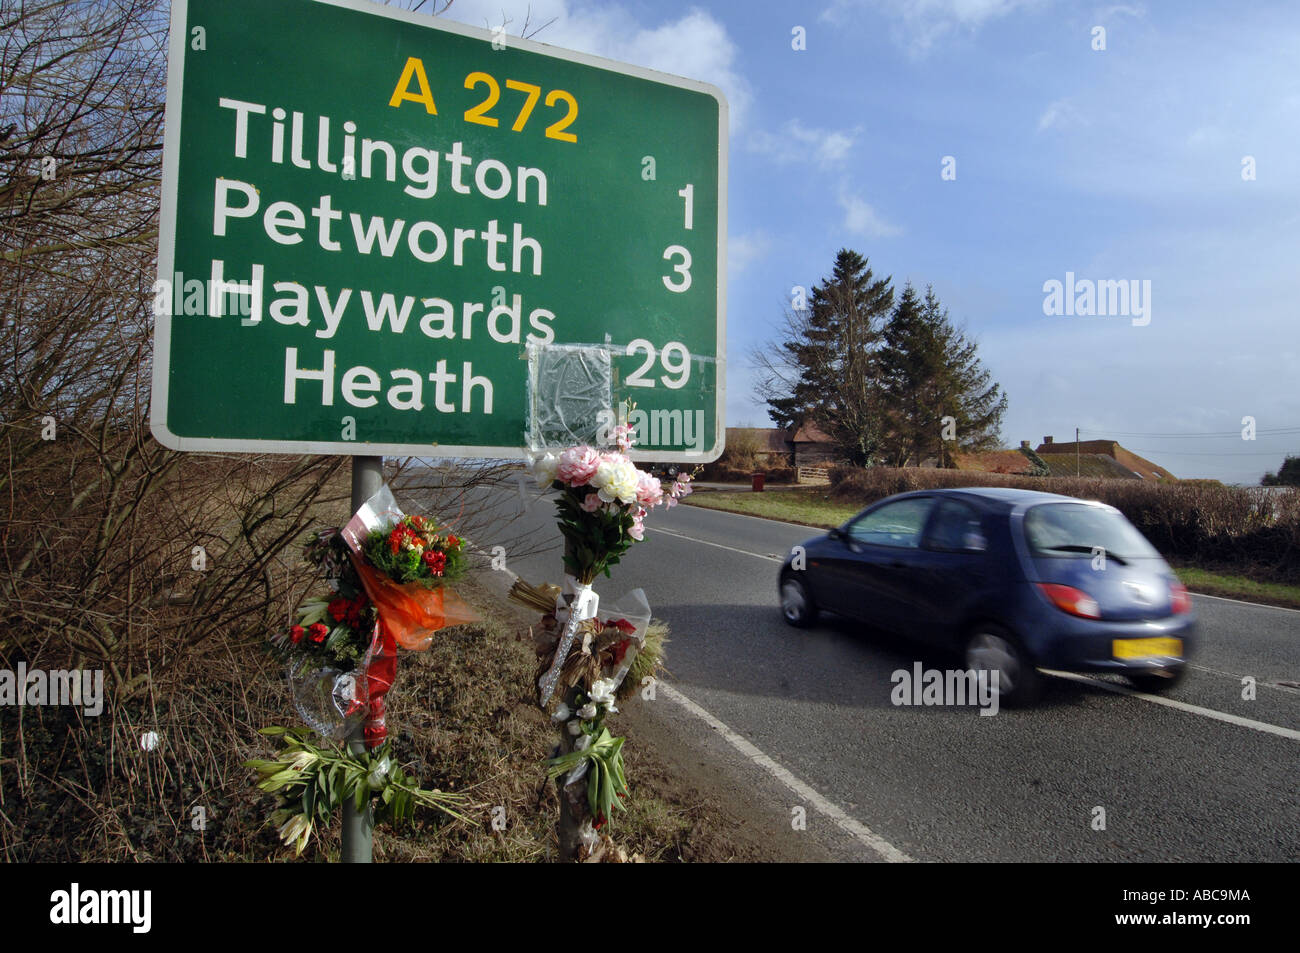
x=999 y=497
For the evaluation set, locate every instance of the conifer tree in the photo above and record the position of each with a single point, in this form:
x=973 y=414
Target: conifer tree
x=824 y=370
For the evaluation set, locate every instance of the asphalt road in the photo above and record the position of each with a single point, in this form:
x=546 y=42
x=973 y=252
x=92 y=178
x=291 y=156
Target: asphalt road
x=802 y=719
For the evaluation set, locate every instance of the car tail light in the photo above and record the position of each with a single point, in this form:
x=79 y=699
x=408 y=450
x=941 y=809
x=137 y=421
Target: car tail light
x=1179 y=600
x=1071 y=600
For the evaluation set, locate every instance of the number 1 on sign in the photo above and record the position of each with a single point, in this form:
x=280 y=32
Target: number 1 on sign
x=688 y=194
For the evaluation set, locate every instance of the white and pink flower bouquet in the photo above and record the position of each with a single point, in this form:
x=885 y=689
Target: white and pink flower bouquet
x=603 y=502
x=585 y=654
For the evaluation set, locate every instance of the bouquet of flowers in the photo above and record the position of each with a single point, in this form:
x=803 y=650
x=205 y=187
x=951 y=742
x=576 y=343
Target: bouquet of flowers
x=387 y=575
x=414 y=551
x=332 y=649
x=404 y=563
x=335 y=630
x=616 y=652
x=603 y=500
x=602 y=504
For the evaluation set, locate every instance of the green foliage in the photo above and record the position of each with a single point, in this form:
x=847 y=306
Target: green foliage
x=606 y=780
x=930 y=370
x=1288 y=475
x=593 y=541
x=833 y=353
x=407 y=564
x=313 y=782
x=878 y=375
x=1041 y=469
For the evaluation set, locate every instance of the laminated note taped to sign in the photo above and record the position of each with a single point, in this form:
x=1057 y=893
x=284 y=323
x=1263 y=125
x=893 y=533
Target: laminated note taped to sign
x=569 y=394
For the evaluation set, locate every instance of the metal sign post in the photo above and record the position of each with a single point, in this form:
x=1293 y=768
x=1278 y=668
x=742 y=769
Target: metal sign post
x=367 y=478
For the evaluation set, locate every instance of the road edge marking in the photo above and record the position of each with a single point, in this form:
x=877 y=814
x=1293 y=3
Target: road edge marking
x=705 y=542
x=1241 y=602
x=1223 y=716
x=842 y=820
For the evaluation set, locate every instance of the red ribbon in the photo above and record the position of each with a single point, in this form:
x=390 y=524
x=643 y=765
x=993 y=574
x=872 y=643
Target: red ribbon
x=381 y=671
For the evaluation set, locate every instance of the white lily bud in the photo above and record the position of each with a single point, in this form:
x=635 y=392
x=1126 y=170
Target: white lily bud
x=602 y=691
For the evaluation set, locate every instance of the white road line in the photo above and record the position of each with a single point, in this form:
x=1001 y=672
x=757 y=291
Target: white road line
x=743 y=552
x=1243 y=602
x=1223 y=716
x=856 y=829
x=1238 y=676
x=766 y=519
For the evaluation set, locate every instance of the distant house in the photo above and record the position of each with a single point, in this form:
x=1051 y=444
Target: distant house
x=806 y=446
x=995 y=461
x=772 y=444
x=813 y=447
x=1101 y=458
x=1104 y=459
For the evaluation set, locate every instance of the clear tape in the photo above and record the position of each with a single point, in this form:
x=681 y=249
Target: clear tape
x=634 y=608
x=323 y=697
x=379 y=512
x=570 y=388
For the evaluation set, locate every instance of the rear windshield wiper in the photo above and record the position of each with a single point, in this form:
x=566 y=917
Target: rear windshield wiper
x=1076 y=548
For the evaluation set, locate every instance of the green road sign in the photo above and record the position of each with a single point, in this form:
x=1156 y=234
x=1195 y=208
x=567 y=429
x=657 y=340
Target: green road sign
x=386 y=233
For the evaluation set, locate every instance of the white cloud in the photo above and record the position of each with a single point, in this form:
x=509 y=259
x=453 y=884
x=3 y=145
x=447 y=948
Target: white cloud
x=1137 y=12
x=1059 y=114
x=861 y=219
x=920 y=24
x=744 y=250
x=695 y=45
x=1205 y=136
x=797 y=142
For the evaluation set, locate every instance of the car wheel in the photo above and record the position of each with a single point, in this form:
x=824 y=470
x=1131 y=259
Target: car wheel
x=1158 y=681
x=796 y=603
x=992 y=648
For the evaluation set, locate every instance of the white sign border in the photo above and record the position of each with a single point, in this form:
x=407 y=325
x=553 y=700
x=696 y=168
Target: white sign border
x=176 y=53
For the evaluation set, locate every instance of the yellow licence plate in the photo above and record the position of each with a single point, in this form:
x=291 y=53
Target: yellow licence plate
x=1147 y=648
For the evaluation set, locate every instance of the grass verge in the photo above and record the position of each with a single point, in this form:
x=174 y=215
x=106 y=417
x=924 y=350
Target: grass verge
x=811 y=506
x=1233 y=586
x=463 y=717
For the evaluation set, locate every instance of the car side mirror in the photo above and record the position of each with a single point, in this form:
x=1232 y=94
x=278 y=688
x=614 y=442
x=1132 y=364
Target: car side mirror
x=836 y=534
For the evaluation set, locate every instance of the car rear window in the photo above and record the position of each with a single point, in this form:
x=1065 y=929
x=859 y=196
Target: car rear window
x=1076 y=529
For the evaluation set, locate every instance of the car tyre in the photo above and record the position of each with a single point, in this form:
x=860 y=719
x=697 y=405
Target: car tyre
x=797 y=606
x=991 y=647
x=1159 y=681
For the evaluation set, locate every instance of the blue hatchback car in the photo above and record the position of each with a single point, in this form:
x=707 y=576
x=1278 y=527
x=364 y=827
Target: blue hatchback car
x=1013 y=580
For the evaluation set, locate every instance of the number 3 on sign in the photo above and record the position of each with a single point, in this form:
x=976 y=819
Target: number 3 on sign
x=683 y=269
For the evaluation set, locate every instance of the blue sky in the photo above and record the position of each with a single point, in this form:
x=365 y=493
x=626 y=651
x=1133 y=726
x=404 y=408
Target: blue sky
x=1119 y=164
